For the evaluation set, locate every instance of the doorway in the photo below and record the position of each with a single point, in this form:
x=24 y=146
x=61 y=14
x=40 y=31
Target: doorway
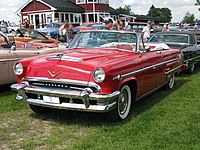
x=37 y=21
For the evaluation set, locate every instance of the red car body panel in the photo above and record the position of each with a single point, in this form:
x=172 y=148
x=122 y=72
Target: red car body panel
x=113 y=61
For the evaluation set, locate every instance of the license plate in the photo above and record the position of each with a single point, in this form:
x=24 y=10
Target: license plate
x=54 y=100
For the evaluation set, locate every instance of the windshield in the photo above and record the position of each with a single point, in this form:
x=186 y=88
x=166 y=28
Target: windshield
x=87 y=24
x=98 y=27
x=29 y=34
x=137 y=28
x=170 y=38
x=53 y=25
x=103 y=39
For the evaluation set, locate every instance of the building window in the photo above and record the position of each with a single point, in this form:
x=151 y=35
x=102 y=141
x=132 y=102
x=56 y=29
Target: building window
x=92 y=1
x=71 y=18
x=62 y=17
x=49 y=18
x=104 y=1
x=66 y=17
x=80 y=1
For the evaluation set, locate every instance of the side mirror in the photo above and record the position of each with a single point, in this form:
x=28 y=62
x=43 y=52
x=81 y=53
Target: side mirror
x=147 y=49
x=13 y=48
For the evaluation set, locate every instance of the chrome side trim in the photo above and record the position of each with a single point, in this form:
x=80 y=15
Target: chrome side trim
x=66 y=81
x=191 y=59
x=14 y=59
x=144 y=69
x=179 y=67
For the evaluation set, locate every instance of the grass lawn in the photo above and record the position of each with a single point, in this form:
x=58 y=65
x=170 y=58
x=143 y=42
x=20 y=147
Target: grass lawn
x=165 y=120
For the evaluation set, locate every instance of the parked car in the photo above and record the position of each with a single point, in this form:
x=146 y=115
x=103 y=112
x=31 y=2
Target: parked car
x=51 y=30
x=99 y=26
x=86 y=26
x=3 y=29
x=188 y=42
x=10 y=26
x=135 y=26
x=33 y=38
x=9 y=55
x=103 y=71
x=27 y=35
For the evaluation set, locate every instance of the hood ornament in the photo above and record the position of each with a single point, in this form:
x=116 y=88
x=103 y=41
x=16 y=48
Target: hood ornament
x=54 y=74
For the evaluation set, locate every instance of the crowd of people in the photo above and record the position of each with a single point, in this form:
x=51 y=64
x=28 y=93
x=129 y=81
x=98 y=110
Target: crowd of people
x=66 y=31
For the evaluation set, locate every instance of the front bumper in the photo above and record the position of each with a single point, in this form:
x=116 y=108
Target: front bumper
x=104 y=103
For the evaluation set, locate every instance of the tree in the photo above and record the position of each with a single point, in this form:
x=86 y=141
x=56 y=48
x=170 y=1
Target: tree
x=164 y=14
x=189 y=18
x=124 y=10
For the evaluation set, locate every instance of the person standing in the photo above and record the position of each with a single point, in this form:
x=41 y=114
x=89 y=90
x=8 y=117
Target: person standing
x=165 y=27
x=117 y=25
x=26 y=24
x=62 y=27
x=109 y=24
x=146 y=32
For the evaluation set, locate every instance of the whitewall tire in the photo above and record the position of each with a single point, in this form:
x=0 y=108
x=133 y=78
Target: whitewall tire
x=123 y=106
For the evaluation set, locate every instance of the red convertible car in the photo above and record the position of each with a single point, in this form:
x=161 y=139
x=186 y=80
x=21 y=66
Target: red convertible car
x=103 y=71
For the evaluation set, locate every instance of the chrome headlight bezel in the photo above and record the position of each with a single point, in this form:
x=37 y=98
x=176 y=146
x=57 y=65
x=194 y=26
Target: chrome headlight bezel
x=99 y=75
x=18 y=68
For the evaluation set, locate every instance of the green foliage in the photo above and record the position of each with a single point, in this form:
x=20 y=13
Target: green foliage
x=189 y=18
x=164 y=14
x=124 y=10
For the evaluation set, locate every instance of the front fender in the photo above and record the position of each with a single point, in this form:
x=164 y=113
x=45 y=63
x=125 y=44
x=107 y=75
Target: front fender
x=124 y=81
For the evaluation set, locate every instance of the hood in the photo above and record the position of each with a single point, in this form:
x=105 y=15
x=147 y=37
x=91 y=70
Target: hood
x=76 y=64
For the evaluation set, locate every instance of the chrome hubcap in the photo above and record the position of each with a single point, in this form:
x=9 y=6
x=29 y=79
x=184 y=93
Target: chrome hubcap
x=192 y=68
x=123 y=102
x=171 y=81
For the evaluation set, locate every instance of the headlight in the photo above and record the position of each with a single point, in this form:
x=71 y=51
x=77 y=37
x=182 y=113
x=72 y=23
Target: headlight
x=18 y=69
x=99 y=75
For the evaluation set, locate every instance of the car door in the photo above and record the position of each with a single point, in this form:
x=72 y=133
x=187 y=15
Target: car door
x=3 y=66
x=153 y=75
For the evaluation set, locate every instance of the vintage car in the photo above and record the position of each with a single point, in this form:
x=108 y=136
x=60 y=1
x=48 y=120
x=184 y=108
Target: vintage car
x=3 y=29
x=99 y=27
x=28 y=35
x=138 y=27
x=28 y=38
x=51 y=30
x=188 y=42
x=103 y=71
x=9 y=55
x=86 y=26
x=10 y=26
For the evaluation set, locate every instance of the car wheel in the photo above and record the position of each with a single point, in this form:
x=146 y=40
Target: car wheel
x=170 y=84
x=39 y=109
x=123 y=107
x=191 y=69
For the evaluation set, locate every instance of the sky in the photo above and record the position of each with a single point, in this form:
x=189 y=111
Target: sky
x=178 y=7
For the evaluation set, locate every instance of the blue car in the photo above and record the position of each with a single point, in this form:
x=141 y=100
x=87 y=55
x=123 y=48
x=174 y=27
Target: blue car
x=51 y=30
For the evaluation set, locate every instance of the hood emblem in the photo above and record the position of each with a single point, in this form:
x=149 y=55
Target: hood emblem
x=54 y=74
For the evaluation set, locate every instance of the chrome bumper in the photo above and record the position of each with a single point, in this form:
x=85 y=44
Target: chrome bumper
x=105 y=103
